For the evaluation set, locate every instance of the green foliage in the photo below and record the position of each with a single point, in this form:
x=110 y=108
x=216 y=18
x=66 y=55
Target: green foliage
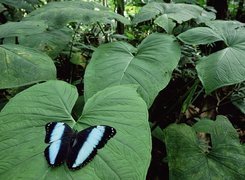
x=59 y=14
x=51 y=42
x=224 y=67
x=21 y=66
x=22 y=132
x=238 y=98
x=121 y=82
x=178 y=12
x=77 y=59
x=200 y=35
x=2 y=8
x=20 y=4
x=188 y=158
x=189 y=98
x=158 y=133
x=150 y=66
x=167 y=24
x=12 y=29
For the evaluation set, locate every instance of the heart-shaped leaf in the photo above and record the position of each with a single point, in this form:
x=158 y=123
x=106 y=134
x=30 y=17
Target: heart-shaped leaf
x=179 y=12
x=150 y=66
x=50 y=42
x=126 y=156
x=224 y=67
x=21 y=4
x=199 y=35
x=218 y=30
x=187 y=158
x=21 y=66
x=166 y=23
x=58 y=14
x=11 y=29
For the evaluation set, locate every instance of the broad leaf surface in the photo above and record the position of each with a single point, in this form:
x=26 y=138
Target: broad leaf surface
x=203 y=125
x=20 y=4
x=126 y=156
x=21 y=66
x=232 y=32
x=50 y=42
x=199 y=35
x=224 y=67
x=148 y=12
x=11 y=29
x=187 y=159
x=206 y=16
x=150 y=66
x=184 y=1
x=182 y=12
x=167 y=24
x=58 y=14
x=178 y=12
x=227 y=31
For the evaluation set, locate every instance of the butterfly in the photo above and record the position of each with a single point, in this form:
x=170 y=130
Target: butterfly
x=76 y=148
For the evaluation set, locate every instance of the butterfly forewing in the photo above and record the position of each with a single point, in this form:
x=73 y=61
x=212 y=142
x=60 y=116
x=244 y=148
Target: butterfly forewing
x=86 y=143
x=109 y=133
x=59 y=136
x=77 y=149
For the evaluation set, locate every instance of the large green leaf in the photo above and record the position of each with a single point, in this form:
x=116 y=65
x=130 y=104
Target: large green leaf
x=11 y=29
x=224 y=67
x=126 y=156
x=58 y=14
x=227 y=31
x=206 y=16
x=20 y=4
x=232 y=32
x=50 y=42
x=150 y=66
x=199 y=35
x=148 y=12
x=178 y=12
x=185 y=1
x=21 y=66
x=188 y=160
x=167 y=24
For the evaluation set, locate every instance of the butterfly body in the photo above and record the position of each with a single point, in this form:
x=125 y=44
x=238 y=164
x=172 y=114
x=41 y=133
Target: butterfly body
x=76 y=148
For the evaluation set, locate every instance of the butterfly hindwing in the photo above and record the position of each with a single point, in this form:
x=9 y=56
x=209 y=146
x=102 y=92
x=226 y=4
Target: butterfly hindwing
x=76 y=148
x=59 y=136
x=109 y=133
x=86 y=143
x=56 y=152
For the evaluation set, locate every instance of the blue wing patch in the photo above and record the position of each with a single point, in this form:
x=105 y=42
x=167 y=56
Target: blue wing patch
x=77 y=149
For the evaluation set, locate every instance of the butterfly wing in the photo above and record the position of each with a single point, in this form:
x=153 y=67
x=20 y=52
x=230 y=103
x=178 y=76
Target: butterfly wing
x=59 y=136
x=86 y=144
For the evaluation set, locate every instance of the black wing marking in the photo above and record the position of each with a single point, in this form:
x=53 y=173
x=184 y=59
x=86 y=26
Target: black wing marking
x=109 y=133
x=58 y=135
x=76 y=146
x=49 y=127
x=86 y=143
x=56 y=156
